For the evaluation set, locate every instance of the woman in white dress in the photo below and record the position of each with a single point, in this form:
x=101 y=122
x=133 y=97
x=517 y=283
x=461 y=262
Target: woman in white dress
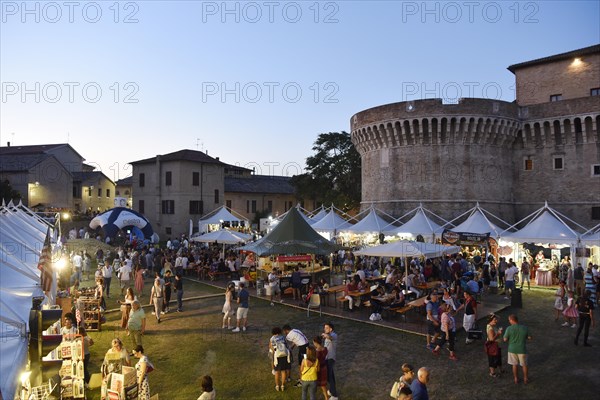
x=227 y=308
x=142 y=368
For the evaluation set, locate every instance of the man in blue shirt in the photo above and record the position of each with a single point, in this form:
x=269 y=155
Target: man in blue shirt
x=419 y=385
x=242 y=311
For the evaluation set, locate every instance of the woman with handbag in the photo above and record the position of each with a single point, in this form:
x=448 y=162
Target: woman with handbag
x=492 y=348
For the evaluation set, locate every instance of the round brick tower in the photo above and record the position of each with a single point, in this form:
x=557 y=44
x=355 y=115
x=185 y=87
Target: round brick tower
x=446 y=156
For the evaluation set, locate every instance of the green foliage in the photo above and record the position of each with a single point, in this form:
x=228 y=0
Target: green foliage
x=7 y=192
x=333 y=172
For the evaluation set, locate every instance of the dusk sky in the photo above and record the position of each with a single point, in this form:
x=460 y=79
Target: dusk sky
x=254 y=83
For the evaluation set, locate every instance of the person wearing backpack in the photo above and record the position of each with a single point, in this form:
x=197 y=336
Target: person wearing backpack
x=280 y=356
x=157 y=296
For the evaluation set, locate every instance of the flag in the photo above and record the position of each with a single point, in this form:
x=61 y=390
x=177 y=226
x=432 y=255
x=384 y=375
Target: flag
x=45 y=264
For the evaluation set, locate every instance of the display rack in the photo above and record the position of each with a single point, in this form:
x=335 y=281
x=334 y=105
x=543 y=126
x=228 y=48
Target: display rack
x=72 y=369
x=91 y=313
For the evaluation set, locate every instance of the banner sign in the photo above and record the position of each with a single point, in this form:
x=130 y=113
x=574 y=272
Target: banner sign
x=465 y=238
x=294 y=258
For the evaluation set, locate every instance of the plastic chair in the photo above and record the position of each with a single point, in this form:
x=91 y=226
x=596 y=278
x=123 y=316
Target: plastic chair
x=314 y=302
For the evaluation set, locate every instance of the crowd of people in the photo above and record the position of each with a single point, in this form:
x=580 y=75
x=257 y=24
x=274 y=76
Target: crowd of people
x=461 y=281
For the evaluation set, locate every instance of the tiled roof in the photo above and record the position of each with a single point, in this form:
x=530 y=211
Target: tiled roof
x=182 y=155
x=87 y=176
x=33 y=149
x=557 y=57
x=21 y=162
x=125 y=181
x=259 y=184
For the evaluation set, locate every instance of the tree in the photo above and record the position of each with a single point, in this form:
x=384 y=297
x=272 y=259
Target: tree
x=7 y=192
x=332 y=173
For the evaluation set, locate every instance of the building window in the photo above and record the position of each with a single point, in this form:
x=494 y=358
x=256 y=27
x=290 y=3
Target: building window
x=168 y=230
x=595 y=92
x=107 y=192
x=555 y=97
x=290 y=205
x=595 y=213
x=141 y=207
x=75 y=192
x=127 y=193
x=247 y=206
x=99 y=192
x=117 y=193
x=142 y=180
x=89 y=192
x=216 y=196
x=270 y=206
x=168 y=207
x=196 y=207
x=168 y=177
x=254 y=206
x=228 y=204
x=557 y=163
x=195 y=178
x=528 y=164
x=595 y=170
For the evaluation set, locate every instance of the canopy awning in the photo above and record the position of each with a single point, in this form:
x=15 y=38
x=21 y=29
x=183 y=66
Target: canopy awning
x=404 y=248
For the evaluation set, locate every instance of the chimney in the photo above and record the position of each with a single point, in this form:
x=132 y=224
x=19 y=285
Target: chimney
x=7 y=144
x=217 y=158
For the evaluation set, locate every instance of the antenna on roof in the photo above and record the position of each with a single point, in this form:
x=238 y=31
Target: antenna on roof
x=198 y=142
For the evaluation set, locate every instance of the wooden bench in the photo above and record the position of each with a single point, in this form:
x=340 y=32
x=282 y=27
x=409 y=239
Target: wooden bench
x=402 y=311
x=343 y=301
x=214 y=276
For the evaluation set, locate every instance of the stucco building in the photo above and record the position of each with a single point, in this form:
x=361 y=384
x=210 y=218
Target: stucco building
x=249 y=194
x=53 y=176
x=508 y=156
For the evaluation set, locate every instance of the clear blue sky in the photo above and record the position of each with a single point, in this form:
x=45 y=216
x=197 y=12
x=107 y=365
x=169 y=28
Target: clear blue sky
x=227 y=77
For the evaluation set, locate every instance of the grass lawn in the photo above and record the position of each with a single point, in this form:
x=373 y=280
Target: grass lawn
x=187 y=345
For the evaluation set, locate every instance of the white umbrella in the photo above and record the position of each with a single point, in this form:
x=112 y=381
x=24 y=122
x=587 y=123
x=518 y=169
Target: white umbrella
x=404 y=248
x=223 y=236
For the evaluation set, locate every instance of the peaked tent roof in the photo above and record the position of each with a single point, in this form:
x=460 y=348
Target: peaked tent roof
x=592 y=237
x=282 y=216
x=331 y=222
x=318 y=216
x=220 y=214
x=293 y=235
x=545 y=226
x=419 y=224
x=478 y=222
x=372 y=222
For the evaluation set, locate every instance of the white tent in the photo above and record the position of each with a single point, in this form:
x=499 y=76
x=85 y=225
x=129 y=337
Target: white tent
x=331 y=223
x=371 y=223
x=545 y=225
x=318 y=216
x=20 y=248
x=419 y=224
x=404 y=248
x=218 y=216
x=478 y=222
x=592 y=237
